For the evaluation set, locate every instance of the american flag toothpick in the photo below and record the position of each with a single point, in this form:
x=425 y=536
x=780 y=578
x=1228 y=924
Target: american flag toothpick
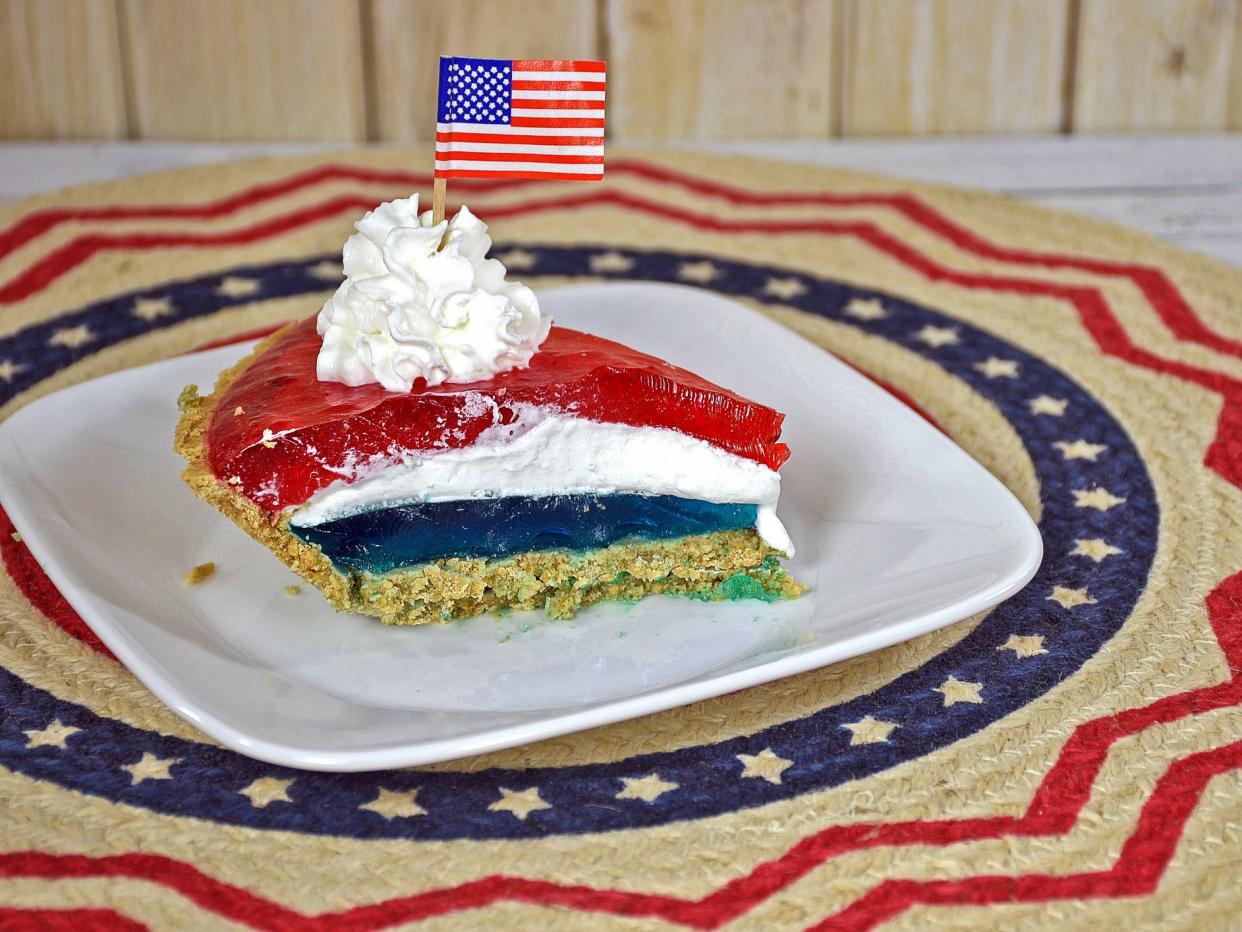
x=518 y=118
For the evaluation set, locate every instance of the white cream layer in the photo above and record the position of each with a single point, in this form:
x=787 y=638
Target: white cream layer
x=556 y=454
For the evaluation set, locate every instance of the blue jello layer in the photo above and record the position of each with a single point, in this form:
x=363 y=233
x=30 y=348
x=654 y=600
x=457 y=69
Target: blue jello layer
x=405 y=535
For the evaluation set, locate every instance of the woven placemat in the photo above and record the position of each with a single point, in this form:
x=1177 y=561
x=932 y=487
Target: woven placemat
x=1070 y=758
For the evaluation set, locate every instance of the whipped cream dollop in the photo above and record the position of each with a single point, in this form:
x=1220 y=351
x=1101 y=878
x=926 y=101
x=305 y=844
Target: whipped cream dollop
x=422 y=301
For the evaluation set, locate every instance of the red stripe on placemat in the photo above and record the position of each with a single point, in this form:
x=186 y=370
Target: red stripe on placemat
x=1160 y=292
x=13 y=919
x=255 y=334
x=73 y=253
x=1137 y=871
x=1053 y=811
x=1068 y=785
x=38 y=589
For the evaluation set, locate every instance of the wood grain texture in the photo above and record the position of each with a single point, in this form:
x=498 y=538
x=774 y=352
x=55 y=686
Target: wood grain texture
x=408 y=36
x=60 y=70
x=725 y=68
x=1233 y=120
x=953 y=66
x=1154 y=64
x=235 y=69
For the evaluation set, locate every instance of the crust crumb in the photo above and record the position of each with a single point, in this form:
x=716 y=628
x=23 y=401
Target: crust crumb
x=238 y=410
x=292 y=590
x=17 y=537
x=200 y=573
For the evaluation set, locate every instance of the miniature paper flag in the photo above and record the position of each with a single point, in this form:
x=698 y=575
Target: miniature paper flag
x=520 y=118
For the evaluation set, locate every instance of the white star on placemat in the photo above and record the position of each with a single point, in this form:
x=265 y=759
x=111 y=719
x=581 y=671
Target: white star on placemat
x=647 y=788
x=1070 y=598
x=327 y=270
x=611 y=261
x=151 y=308
x=267 y=790
x=151 y=767
x=53 y=736
x=766 y=765
x=995 y=368
x=955 y=691
x=518 y=259
x=784 y=288
x=1079 y=449
x=393 y=804
x=869 y=730
x=71 y=337
x=234 y=287
x=520 y=802
x=866 y=309
x=1045 y=404
x=701 y=272
x=1025 y=645
x=937 y=337
x=1096 y=548
x=8 y=369
x=1098 y=498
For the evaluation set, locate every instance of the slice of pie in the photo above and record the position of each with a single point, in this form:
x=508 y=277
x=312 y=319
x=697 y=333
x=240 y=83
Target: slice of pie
x=589 y=471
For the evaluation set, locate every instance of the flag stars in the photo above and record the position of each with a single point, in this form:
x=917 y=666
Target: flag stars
x=518 y=259
x=1080 y=450
x=71 y=337
x=784 y=288
x=995 y=368
x=151 y=767
x=866 y=309
x=267 y=790
x=1098 y=498
x=954 y=691
x=869 y=730
x=701 y=272
x=8 y=369
x=765 y=765
x=150 y=308
x=611 y=261
x=53 y=736
x=1070 y=598
x=936 y=337
x=394 y=804
x=648 y=788
x=1025 y=645
x=1045 y=404
x=235 y=287
x=520 y=802
x=1095 y=548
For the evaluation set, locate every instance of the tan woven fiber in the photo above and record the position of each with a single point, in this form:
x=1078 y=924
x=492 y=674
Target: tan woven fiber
x=1126 y=734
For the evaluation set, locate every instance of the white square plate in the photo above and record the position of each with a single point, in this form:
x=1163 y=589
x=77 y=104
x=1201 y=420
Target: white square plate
x=899 y=532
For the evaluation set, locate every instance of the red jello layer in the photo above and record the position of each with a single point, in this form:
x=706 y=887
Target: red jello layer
x=327 y=431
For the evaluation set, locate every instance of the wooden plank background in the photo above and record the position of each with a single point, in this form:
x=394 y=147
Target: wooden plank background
x=359 y=70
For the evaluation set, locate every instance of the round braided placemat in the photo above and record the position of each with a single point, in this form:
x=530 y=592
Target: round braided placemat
x=1071 y=757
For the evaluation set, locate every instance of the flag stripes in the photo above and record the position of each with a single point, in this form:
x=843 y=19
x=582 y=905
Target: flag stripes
x=520 y=118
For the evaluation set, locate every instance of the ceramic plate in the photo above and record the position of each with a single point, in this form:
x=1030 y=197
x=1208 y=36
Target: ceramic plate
x=898 y=531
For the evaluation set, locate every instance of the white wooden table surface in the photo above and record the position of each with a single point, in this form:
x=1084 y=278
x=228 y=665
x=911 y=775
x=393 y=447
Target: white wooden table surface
x=1185 y=189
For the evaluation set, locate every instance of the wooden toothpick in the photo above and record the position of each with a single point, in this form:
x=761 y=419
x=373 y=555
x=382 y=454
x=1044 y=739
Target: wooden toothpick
x=437 y=200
